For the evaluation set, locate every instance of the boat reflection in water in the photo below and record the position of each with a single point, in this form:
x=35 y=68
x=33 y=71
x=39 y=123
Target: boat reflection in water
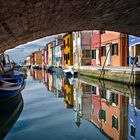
x=114 y=109
x=9 y=113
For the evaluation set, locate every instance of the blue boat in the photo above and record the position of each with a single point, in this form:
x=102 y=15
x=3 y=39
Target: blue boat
x=11 y=86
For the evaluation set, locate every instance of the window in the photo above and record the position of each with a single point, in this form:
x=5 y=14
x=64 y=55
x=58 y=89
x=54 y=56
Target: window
x=115 y=122
x=86 y=53
x=94 y=89
x=104 y=94
x=115 y=49
x=103 y=51
x=93 y=54
x=115 y=98
x=102 y=115
x=132 y=130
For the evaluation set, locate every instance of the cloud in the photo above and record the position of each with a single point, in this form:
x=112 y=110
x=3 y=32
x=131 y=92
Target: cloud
x=19 y=53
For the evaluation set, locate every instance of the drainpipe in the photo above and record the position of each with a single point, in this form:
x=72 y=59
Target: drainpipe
x=100 y=48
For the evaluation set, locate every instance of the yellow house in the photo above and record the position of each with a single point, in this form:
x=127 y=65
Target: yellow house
x=68 y=49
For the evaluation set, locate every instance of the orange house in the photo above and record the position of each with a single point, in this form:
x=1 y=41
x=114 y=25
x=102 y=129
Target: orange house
x=114 y=49
x=38 y=58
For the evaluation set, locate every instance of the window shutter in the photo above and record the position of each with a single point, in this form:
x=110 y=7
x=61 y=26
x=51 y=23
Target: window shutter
x=117 y=49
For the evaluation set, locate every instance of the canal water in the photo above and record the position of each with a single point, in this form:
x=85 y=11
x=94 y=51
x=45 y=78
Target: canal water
x=52 y=107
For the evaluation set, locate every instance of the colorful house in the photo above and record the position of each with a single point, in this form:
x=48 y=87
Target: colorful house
x=114 y=49
x=53 y=53
x=81 y=48
x=58 y=50
x=38 y=58
x=68 y=49
x=134 y=49
x=32 y=58
x=62 y=54
x=44 y=57
x=50 y=53
x=95 y=47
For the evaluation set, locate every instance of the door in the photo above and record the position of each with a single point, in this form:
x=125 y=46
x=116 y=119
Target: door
x=97 y=57
x=108 y=55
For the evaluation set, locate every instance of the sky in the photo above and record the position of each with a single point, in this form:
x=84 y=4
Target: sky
x=19 y=53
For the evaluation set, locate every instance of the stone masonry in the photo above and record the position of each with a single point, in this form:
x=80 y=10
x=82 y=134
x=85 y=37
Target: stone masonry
x=26 y=20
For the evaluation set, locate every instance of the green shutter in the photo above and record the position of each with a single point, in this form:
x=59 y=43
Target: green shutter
x=115 y=98
x=114 y=122
x=93 y=54
x=133 y=130
x=102 y=115
x=116 y=49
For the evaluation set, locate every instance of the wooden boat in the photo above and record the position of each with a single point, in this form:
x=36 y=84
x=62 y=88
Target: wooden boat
x=10 y=87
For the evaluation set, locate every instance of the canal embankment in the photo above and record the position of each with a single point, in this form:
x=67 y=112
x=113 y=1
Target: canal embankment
x=123 y=75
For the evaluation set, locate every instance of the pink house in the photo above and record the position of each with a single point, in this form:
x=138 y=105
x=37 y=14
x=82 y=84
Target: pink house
x=95 y=47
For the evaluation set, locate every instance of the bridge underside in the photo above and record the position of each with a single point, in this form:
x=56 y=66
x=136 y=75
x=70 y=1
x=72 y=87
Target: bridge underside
x=26 y=20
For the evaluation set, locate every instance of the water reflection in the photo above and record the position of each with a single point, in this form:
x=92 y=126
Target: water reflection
x=9 y=113
x=114 y=110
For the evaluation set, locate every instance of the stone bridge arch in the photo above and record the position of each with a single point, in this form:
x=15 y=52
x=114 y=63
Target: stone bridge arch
x=26 y=20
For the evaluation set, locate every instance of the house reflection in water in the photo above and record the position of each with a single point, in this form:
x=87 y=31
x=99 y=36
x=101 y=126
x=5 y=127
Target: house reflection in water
x=82 y=101
x=104 y=108
x=50 y=83
x=68 y=94
x=114 y=113
x=36 y=74
x=57 y=84
x=134 y=116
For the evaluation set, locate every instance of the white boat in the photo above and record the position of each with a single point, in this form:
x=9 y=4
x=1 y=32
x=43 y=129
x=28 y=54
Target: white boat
x=70 y=72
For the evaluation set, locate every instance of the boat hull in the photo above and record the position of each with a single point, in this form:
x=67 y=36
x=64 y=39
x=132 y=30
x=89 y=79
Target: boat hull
x=8 y=93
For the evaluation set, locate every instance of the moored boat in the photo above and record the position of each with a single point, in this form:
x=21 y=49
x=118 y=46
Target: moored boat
x=71 y=72
x=10 y=87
